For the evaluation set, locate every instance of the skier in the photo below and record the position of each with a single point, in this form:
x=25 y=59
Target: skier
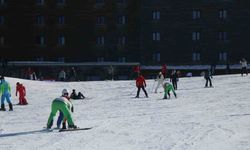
x=64 y=105
x=207 y=76
x=141 y=84
x=174 y=78
x=73 y=95
x=243 y=63
x=22 y=93
x=160 y=79
x=5 y=92
x=167 y=88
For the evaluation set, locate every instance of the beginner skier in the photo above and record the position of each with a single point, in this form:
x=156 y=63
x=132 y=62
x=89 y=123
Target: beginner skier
x=167 y=88
x=22 y=93
x=160 y=79
x=141 y=84
x=5 y=92
x=64 y=105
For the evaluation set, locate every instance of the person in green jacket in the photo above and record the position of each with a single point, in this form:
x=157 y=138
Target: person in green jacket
x=167 y=88
x=63 y=105
x=5 y=92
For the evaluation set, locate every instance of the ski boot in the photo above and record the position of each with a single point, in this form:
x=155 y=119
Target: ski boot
x=64 y=125
x=11 y=107
x=2 y=107
x=73 y=127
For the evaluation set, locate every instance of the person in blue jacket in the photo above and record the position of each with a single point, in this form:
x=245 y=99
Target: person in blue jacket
x=5 y=92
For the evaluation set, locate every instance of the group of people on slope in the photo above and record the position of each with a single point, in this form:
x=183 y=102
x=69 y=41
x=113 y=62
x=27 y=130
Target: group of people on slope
x=167 y=86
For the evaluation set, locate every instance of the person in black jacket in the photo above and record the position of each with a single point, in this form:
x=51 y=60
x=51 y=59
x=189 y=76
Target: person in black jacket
x=207 y=76
x=174 y=79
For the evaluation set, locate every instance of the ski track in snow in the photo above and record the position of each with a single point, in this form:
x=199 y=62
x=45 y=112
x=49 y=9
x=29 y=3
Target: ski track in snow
x=200 y=118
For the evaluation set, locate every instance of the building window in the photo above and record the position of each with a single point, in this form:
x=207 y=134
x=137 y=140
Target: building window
x=40 y=2
x=121 y=19
x=121 y=1
x=2 y=2
x=156 y=15
x=223 y=56
x=61 y=40
x=61 y=59
x=1 y=20
x=222 y=14
x=122 y=40
x=40 y=20
x=196 y=56
x=156 y=36
x=157 y=57
x=1 y=40
x=99 y=1
x=223 y=36
x=100 y=59
x=122 y=59
x=196 y=14
x=61 y=20
x=41 y=40
x=100 y=40
x=100 y=20
x=60 y=2
x=195 y=36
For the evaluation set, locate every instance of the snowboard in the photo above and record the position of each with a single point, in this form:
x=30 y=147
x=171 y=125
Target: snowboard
x=77 y=129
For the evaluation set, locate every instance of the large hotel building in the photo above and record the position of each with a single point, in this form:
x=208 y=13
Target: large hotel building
x=146 y=31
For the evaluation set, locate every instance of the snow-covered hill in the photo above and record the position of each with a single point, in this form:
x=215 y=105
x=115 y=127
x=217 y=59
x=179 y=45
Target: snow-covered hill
x=199 y=119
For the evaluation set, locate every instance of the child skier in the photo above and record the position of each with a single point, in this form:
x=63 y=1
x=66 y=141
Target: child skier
x=22 y=93
x=167 y=88
x=141 y=84
x=64 y=105
x=5 y=92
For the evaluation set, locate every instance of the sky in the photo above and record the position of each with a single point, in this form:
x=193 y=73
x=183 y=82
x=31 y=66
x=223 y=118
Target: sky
x=198 y=119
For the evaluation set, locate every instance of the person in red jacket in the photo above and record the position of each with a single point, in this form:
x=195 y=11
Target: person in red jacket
x=141 y=84
x=22 y=93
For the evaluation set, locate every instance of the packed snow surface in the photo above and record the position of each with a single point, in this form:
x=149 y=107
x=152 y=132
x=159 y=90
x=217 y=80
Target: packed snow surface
x=198 y=119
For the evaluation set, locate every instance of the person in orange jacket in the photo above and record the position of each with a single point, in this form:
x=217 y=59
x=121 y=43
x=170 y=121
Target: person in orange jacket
x=141 y=84
x=22 y=93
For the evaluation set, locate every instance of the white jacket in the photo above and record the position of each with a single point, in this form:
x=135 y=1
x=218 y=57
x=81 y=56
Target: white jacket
x=243 y=63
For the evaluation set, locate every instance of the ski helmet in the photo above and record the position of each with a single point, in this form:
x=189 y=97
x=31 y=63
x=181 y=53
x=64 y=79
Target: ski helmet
x=65 y=91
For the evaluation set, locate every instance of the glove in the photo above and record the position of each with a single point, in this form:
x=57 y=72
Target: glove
x=72 y=109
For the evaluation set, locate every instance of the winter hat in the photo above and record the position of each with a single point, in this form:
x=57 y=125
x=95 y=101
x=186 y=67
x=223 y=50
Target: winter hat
x=65 y=91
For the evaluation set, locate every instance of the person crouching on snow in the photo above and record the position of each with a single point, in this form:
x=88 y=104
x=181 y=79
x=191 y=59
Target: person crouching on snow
x=160 y=79
x=167 y=88
x=64 y=105
x=20 y=88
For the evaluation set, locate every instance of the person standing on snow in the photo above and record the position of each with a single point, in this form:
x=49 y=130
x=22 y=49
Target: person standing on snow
x=207 y=76
x=167 y=88
x=22 y=93
x=141 y=84
x=243 y=63
x=5 y=92
x=160 y=80
x=174 y=78
x=64 y=105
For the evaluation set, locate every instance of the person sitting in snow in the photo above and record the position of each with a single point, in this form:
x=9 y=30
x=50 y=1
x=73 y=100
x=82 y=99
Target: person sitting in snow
x=64 y=105
x=75 y=96
x=167 y=88
x=22 y=93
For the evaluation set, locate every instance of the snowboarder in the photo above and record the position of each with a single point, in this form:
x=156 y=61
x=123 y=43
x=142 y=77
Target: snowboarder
x=20 y=88
x=73 y=95
x=5 y=92
x=141 y=84
x=64 y=105
x=167 y=88
x=160 y=80
x=174 y=78
x=207 y=76
x=243 y=63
